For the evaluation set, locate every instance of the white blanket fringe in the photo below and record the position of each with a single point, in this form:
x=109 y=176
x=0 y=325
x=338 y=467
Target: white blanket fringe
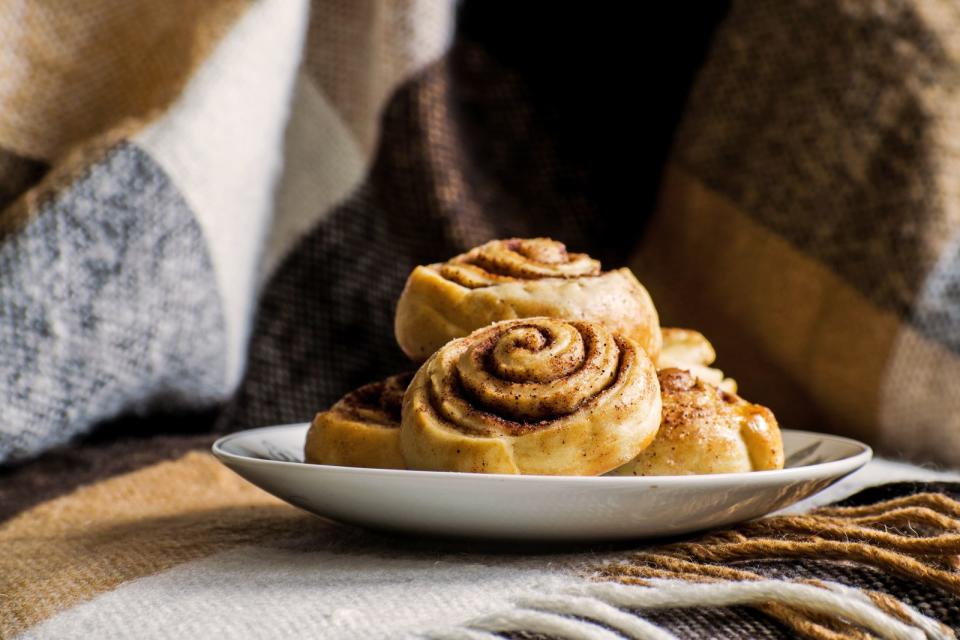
x=577 y=613
x=592 y=608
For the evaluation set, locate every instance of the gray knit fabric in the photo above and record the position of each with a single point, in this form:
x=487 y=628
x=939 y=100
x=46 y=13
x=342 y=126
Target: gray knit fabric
x=108 y=304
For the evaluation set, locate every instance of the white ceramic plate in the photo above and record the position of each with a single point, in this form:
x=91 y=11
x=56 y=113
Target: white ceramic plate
x=534 y=507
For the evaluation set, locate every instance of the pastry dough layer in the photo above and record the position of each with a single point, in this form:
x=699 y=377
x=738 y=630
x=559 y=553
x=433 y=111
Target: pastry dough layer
x=690 y=350
x=519 y=278
x=706 y=430
x=532 y=396
x=362 y=429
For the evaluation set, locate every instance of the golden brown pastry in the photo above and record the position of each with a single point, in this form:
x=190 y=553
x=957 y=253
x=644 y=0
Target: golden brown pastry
x=706 y=430
x=532 y=396
x=690 y=350
x=362 y=429
x=519 y=278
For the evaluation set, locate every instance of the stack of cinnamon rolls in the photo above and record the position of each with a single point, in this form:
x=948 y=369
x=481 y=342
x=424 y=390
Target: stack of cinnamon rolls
x=532 y=360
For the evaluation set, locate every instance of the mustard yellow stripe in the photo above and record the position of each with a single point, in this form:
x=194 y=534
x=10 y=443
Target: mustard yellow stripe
x=72 y=548
x=76 y=69
x=795 y=335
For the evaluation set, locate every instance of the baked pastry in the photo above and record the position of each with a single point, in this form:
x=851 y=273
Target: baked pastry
x=519 y=278
x=362 y=429
x=706 y=430
x=690 y=350
x=532 y=396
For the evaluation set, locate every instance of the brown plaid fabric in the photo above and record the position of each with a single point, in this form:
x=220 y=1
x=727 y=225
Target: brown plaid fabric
x=809 y=204
x=208 y=210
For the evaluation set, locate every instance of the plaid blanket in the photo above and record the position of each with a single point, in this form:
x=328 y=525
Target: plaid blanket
x=114 y=541
x=208 y=209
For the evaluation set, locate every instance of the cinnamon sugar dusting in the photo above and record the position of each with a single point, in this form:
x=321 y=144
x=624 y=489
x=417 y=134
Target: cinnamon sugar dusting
x=689 y=404
x=706 y=430
x=517 y=259
x=508 y=380
x=378 y=403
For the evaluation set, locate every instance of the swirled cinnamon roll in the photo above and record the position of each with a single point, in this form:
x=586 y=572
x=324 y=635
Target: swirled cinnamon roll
x=690 y=350
x=706 y=430
x=519 y=278
x=362 y=429
x=532 y=396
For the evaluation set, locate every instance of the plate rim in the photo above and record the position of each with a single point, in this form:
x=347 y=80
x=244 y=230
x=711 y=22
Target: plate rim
x=832 y=468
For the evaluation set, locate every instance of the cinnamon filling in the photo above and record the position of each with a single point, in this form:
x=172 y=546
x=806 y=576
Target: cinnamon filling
x=517 y=259
x=472 y=392
x=377 y=403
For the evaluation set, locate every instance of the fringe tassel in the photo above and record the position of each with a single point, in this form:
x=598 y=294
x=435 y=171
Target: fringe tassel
x=915 y=536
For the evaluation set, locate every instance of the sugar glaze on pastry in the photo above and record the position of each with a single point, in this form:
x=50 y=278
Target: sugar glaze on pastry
x=532 y=396
x=707 y=430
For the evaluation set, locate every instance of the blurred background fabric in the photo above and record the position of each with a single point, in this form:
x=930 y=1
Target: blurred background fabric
x=209 y=207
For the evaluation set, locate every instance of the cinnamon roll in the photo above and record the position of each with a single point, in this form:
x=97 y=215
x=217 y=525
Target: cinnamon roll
x=690 y=350
x=362 y=429
x=519 y=278
x=706 y=430
x=532 y=396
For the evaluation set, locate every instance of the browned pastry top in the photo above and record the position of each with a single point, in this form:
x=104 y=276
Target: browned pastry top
x=693 y=408
x=517 y=377
x=688 y=400
x=377 y=403
x=533 y=395
x=514 y=259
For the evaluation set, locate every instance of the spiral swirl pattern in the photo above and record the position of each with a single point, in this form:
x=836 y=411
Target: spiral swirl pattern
x=572 y=386
x=519 y=278
x=377 y=403
x=516 y=259
x=527 y=373
x=362 y=429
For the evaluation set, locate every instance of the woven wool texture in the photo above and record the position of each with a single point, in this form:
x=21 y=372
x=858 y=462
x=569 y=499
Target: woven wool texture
x=166 y=542
x=814 y=170
x=234 y=236
x=208 y=210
